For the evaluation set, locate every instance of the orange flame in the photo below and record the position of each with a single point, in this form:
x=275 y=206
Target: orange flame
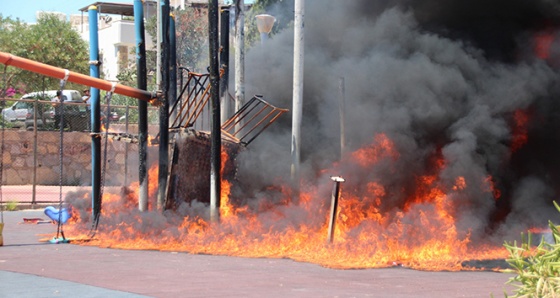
x=489 y=186
x=226 y=209
x=370 y=233
x=381 y=148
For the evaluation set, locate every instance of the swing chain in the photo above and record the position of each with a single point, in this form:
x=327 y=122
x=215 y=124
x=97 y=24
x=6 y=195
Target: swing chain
x=108 y=97
x=61 y=152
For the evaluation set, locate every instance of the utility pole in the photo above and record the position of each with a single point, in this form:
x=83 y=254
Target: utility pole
x=297 y=96
x=239 y=54
x=342 y=114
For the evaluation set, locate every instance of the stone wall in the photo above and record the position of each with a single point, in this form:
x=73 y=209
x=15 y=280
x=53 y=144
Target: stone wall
x=19 y=159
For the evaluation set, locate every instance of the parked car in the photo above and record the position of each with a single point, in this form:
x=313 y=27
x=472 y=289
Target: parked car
x=19 y=110
x=76 y=117
x=16 y=112
x=45 y=119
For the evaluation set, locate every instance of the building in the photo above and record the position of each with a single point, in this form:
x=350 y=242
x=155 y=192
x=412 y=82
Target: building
x=117 y=39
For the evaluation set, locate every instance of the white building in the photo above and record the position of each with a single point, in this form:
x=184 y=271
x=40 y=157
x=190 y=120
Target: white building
x=116 y=34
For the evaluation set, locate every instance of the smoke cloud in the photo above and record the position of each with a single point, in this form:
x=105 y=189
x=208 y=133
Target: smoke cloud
x=441 y=79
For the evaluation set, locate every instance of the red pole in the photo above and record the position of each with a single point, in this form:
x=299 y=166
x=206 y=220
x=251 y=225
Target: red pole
x=74 y=77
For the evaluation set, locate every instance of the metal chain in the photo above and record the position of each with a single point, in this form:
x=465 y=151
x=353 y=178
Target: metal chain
x=61 y=154
x=108 y=97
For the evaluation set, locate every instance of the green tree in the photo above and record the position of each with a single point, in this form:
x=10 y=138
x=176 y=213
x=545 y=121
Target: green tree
x=11 y=41
x=192 y=38
x=51 y=41
x=191 y=35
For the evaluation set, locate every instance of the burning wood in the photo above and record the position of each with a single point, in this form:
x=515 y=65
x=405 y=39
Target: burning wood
x=190 y=170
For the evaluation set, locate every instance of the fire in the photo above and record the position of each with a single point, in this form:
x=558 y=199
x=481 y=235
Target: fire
x=489 y=186
x=226 y=209
x=520 y=132
x=382 y=147
x=372 y=230
x=460 y=184
x=543 y=43
x=152 y=183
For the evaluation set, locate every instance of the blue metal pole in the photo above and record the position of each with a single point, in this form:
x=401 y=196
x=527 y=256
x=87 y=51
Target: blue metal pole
x=141 y=81
x=95 y=113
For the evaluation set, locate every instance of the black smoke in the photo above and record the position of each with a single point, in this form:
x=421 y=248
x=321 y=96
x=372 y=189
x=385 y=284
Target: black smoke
x=439 y=78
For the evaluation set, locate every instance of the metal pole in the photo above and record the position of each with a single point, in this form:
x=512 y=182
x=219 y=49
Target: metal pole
x=164 y=109
x=35 y=147
x=216 y=142
x=264 y=37
x=126 y=145
x=297 y=96
x=74 y=77
x=239 y=54
x=141 y=81
x=95 y=115
x=342 y=112
x=158 y=44
x=172 y=98
x=334 y=206
x=224 y=63
x=172 y=61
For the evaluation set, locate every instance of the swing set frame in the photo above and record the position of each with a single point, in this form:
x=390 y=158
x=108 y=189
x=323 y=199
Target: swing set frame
x=155 y=98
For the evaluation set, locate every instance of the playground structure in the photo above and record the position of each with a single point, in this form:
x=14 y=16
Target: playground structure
x=70 y=76
x=188 y=147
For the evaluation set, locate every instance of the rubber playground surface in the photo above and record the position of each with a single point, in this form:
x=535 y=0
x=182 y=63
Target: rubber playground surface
x=32 y=267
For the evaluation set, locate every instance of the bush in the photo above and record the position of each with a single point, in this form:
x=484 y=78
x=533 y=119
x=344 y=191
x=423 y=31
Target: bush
x=537 y=268
x=11 y=205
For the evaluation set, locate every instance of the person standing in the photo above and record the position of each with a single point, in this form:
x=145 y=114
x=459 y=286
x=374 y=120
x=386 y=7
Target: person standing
x=86 y=97
x=59 y=97
x=57 y=110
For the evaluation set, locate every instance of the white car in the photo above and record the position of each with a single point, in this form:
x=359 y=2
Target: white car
x=18 y=111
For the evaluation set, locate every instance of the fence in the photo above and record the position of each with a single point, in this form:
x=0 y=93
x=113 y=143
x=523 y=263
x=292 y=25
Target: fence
x=33 y=152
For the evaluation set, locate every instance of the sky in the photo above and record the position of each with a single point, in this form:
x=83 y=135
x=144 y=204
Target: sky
x=25 y=9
